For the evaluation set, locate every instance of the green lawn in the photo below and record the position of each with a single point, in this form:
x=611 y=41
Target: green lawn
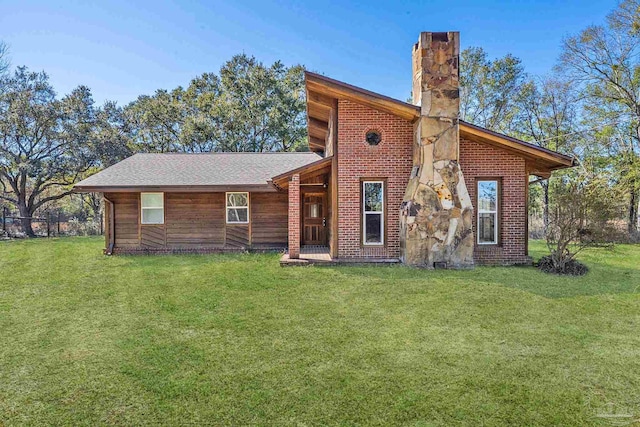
x=236 y=339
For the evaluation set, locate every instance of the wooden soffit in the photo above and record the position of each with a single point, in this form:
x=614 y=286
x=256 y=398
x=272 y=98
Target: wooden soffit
x=541 y=160
x=321 y=89
x=312 y=169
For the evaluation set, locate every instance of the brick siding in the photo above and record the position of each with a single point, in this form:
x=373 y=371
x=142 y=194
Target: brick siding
x=392 y=160
x=482 y=161
x=294 y=216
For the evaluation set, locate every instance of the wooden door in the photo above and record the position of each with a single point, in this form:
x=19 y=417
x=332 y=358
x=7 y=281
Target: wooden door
x=314 y=218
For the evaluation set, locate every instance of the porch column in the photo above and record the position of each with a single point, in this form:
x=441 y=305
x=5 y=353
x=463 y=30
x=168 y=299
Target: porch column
x=294 y=217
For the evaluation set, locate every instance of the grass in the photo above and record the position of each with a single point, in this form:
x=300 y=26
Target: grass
x=238 y=340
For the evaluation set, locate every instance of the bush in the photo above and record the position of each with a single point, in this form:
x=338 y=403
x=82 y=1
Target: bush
x=572 y=267
x=578 y=219
x=75 y=227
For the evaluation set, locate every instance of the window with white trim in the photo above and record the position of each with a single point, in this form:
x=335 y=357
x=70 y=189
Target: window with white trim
x=488 y=212
x=237 y=208
x=152 y=208
x=372 y=212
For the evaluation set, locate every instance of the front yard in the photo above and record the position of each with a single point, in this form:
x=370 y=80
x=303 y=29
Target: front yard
x=236 y=339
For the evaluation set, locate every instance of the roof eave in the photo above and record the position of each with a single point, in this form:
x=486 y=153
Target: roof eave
x=317 y=83
x=552 y=159
x=341 y=90
x=255 y=188
x=280 y=180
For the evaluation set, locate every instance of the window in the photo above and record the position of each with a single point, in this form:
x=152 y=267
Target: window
x=312 y=206
x=373 y=137
x=373 y=212
x=152 y=208
x=237 y=208
x=488 y=212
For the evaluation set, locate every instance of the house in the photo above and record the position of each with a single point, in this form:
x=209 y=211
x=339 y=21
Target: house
x=384 y=181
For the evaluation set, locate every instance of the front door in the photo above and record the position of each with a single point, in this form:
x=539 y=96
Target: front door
x=314 y=218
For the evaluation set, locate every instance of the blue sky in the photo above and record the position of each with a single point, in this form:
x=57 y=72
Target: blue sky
x=122 y=49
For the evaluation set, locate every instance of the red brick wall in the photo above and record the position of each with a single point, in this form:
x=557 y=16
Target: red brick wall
x=294 y=216
x=391 y=160
x=483 y=161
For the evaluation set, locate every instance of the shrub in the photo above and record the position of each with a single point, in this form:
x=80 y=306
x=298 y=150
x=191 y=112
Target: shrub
x=568 y=266
x=578 y=218
x=75 y=227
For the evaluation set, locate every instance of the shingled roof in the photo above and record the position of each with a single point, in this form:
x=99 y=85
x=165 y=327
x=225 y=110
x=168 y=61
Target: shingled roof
x=213 y=171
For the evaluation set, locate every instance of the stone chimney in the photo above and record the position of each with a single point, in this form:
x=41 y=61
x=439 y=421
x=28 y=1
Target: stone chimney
x=436 y=214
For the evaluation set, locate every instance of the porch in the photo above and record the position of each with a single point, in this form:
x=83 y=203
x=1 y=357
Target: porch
x=309 y=254
x=320 y=255
x=312 y=215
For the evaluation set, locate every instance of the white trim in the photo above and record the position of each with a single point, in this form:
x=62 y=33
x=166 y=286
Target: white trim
x=155 y=208
x=365 y=212
x=226 y=211
x=486 y=211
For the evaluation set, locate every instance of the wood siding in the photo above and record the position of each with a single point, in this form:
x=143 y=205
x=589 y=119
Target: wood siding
x=196 y=221
x=269 y=215
x=108 y=229
x=152 y=236
x=126 y=219
x=237 y=236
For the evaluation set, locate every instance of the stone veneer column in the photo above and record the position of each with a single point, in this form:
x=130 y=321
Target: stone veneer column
x=294 y=217
x=436 y=214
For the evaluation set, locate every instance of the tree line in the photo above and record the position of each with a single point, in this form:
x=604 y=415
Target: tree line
x=48 y=143
x=588 y=106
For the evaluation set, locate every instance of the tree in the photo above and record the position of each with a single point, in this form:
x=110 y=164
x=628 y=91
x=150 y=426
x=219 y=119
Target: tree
x=547 y=116
x=93 y=202
x=4 y=58
x=603 y=60
x=109 y=143
x=487 y=89
x=4 y=67
x=263 y=107
x=156 y=121
x=249 y=107
x=563 y=233
x=44 y=142
x=111 y=137
x=202 y=130
x=579 y=218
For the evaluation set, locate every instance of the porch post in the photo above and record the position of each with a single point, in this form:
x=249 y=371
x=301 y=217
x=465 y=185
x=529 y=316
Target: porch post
x=294 y=217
